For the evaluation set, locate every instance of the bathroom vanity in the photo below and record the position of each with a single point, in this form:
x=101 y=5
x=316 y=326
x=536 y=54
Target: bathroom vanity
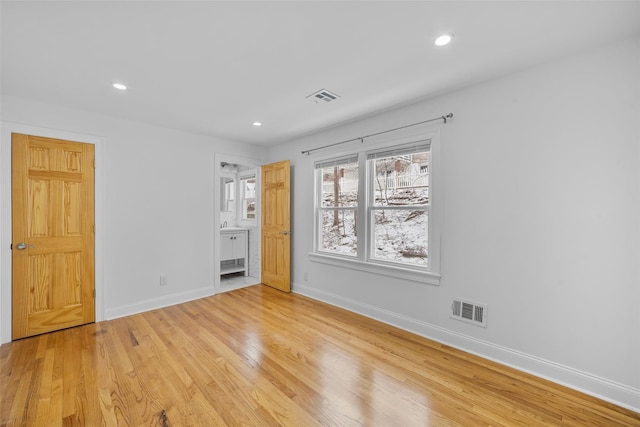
x=234 y=250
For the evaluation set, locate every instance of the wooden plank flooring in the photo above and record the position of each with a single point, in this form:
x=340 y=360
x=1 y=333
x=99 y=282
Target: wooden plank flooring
x=258 y=357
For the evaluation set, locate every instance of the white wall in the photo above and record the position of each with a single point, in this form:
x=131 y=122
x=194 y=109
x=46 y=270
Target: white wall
x=541 y=215
x=541 y=218
x=158 y=206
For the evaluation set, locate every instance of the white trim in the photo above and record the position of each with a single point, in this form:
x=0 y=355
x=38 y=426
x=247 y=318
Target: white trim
x=423 y=277
x=435 y=203
x=602 y=388
x=7 y=128
x=159 y=302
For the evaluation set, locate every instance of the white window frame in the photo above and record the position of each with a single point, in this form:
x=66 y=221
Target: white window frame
x=244 y=175
x=431 y=274
x=371 y=208
x=319 y=208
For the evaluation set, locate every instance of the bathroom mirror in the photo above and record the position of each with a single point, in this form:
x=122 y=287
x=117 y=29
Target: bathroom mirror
x=227 y=194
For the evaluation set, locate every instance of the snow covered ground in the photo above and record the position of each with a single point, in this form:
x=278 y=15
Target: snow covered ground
x=399 y=235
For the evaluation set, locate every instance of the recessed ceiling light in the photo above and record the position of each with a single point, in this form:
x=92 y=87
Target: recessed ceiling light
x=444 y=39
x=119 y=86
x=257 y=124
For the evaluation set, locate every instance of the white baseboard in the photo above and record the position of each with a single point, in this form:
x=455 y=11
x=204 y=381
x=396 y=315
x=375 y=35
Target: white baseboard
x=602 y=388
x=159 y=302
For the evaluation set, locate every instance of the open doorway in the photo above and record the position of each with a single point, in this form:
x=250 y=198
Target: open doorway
x=237 y=248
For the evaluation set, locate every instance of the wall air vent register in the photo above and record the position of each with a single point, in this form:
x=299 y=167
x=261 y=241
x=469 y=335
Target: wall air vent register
x=469 y=312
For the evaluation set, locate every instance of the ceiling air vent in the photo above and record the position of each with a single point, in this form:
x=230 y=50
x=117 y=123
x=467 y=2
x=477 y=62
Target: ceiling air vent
x=323 y=95
x=470 y=312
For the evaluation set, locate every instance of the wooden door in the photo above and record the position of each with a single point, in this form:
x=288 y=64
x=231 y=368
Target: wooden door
x=276 y=226
x=53 y=234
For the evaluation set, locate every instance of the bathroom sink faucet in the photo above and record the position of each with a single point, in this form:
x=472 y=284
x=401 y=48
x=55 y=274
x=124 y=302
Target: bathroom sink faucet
x=223 y=225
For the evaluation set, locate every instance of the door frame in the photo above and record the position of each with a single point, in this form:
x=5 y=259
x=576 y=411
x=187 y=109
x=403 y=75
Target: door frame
x=6 y=129
x=239 y=160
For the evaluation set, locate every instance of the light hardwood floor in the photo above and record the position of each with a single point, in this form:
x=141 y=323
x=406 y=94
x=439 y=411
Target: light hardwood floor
x=258 y=357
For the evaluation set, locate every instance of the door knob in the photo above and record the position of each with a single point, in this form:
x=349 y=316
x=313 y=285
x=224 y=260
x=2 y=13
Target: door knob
x=22 y=246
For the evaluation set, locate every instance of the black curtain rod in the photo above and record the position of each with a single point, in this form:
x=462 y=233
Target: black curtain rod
x=361 y=138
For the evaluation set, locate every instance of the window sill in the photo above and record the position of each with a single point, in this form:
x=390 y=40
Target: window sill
x=423 y=277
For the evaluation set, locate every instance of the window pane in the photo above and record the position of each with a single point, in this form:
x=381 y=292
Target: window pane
x=339 y=232
x=401 y=180
x=401 y=236
x=340 y=185
x=249 y=209
x=248 y=188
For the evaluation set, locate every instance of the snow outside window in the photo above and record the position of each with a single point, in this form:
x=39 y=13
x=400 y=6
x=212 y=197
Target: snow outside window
x=398 y=204
x=337 y=207
x=376 y=209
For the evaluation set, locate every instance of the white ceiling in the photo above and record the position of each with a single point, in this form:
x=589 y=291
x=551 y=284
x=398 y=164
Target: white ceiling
x=213 y=67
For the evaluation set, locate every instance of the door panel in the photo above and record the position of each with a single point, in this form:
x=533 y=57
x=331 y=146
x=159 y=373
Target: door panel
x=226 y=247
x=53 y=217
x=276 y=226
x=239 y=245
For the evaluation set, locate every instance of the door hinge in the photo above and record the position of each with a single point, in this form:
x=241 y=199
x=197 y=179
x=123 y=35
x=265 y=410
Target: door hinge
x=94 y=294
x=94 y=229
x=94 y=163
x=11 y=246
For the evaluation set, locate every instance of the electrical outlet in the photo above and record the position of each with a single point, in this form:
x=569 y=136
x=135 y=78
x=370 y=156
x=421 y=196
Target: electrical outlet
x=163 y=280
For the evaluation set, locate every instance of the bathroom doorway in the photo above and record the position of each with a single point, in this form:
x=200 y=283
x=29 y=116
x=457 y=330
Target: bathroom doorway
x=237 y=230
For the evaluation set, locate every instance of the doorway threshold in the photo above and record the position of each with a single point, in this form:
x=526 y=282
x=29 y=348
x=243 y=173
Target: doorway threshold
x=231 y=282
